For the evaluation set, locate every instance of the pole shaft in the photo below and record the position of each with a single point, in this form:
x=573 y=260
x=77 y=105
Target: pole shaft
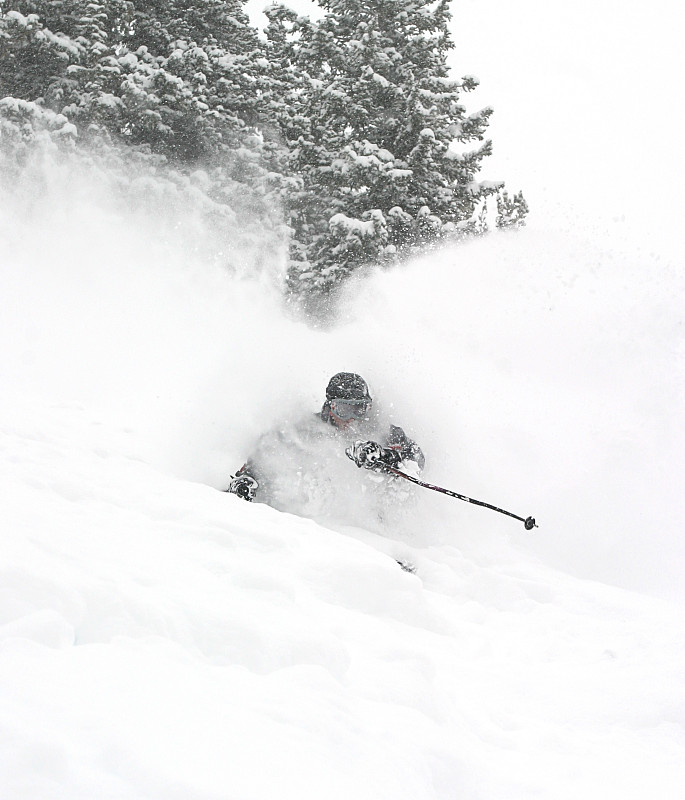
x=451 y=493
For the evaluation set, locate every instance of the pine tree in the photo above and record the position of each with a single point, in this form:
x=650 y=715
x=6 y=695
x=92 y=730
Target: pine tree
x=32 y=54
x=159 y=24
x=180 y=77
x=374 y=123
x=351 y=123
x=511 y=211
x=177 y=82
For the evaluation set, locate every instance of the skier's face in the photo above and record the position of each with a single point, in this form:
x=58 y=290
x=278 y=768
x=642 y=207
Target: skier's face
x=341 y=424
x=347 y=414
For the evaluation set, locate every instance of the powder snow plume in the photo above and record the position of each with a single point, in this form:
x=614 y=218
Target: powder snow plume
x=540 y=372
x=163 y=640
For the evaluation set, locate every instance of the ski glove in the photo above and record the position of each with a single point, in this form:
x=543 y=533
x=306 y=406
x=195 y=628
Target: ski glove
x=371 y=455
x=244 y=486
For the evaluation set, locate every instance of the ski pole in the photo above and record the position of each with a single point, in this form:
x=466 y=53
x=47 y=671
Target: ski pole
x=529 y=522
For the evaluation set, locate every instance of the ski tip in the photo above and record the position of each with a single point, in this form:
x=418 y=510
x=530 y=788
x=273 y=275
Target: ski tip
x=530 y=523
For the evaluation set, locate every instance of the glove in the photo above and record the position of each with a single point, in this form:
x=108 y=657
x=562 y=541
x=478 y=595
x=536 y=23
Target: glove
x=371 y=455
x=244 y=486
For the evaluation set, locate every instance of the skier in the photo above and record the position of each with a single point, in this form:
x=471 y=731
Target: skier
x=299 y=461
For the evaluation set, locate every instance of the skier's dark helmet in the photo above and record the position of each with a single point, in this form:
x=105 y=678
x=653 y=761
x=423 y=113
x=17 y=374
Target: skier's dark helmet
x=347 y=400
x=347 y=386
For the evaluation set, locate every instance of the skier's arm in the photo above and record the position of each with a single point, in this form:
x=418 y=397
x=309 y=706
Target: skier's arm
x=405 y=448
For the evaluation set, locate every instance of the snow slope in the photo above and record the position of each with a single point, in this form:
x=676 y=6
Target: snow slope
x=160 y=639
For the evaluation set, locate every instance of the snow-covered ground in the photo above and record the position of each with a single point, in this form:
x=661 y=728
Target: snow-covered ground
x=162 y=640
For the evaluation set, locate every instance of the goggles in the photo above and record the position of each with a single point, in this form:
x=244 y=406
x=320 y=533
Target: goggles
x=349 y=409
